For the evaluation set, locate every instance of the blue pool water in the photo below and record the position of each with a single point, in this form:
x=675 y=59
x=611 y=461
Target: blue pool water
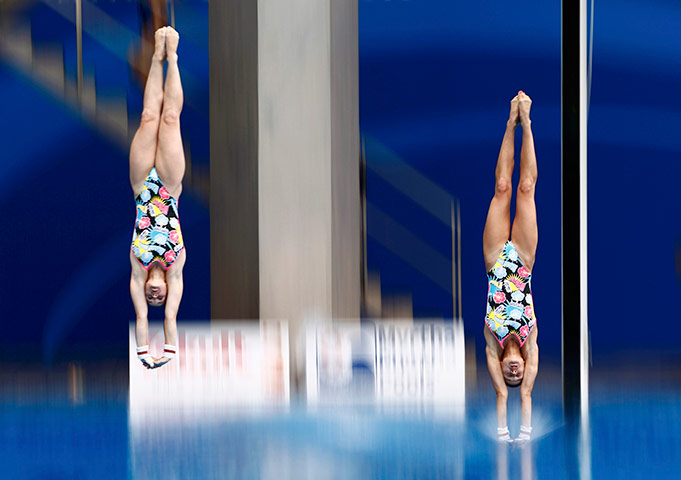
x=632 y=435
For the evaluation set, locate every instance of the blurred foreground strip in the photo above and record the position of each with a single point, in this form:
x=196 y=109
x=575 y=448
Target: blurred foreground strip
x=218 y=364
x=393 y=363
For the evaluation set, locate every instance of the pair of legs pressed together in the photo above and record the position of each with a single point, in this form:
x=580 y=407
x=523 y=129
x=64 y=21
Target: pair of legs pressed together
x=157 y=168
x=510 y=332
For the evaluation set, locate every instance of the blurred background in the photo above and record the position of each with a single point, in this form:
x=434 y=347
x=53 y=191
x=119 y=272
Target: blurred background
x=435 y=79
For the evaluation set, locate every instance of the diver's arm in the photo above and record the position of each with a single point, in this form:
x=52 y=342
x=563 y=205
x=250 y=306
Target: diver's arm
x=531 y=369
x=175 y=289
x=138 y=277
x=174 y=296
x=494 y=367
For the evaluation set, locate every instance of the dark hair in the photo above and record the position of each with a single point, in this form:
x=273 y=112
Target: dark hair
x=513 y=385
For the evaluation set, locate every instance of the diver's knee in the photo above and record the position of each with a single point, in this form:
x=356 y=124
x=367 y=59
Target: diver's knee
x=171 y=116
x=149 y=116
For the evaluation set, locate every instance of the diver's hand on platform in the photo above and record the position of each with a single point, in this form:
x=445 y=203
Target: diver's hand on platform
x=169 y=352
x=148 y=364
x=159 y=362
x=503 y=435
x=524 y=435
x=144 y=357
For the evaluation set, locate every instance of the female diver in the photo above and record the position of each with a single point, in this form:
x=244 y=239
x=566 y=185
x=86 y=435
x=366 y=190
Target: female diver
x=157 y=165
x=511 y=331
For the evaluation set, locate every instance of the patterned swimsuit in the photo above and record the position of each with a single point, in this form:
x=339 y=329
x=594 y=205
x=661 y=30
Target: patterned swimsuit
x=509 y=299
x=157 y=236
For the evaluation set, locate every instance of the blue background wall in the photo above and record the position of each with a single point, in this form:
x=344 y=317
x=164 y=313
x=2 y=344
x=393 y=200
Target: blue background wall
x=634 y=171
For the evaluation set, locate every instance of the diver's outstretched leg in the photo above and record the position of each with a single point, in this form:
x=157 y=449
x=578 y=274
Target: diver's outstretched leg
x=170 y=157
x=144 y=145
x=498 y=224
x=524 y=234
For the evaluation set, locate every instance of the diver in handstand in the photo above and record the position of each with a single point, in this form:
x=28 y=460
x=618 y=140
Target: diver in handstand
x=511 y=330
x=157 y=166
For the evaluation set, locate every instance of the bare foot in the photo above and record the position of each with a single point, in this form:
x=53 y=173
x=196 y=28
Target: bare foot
x=513 y=116
x=524 y=104
x=160 y=44
x=172 y=40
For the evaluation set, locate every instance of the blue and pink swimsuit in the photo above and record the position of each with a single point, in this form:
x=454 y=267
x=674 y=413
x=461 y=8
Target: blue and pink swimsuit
x=157 y=236
x=510 y=310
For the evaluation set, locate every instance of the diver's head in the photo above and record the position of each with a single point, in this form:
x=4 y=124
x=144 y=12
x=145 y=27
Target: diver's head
x=156 y=288
x=512 y=367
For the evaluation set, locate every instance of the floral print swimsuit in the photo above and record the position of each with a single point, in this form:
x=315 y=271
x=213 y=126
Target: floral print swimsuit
x=509 y=299
x=157 y=236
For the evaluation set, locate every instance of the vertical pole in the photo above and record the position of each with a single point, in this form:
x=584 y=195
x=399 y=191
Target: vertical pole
x=457 y=309
x=79 y=48
x=364 y=269
x=172 y=13
x=455 y=278
x=458 y=260
x=584 y=95
x=584 y=345
x=574 y=234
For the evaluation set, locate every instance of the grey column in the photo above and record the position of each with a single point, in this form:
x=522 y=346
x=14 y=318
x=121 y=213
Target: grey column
x=345 y=167
x=308 y=159
x=305 y=211
x=233 y=37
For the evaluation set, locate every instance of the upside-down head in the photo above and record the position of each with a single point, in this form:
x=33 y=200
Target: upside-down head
x=513 y=368
x=155 y=291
